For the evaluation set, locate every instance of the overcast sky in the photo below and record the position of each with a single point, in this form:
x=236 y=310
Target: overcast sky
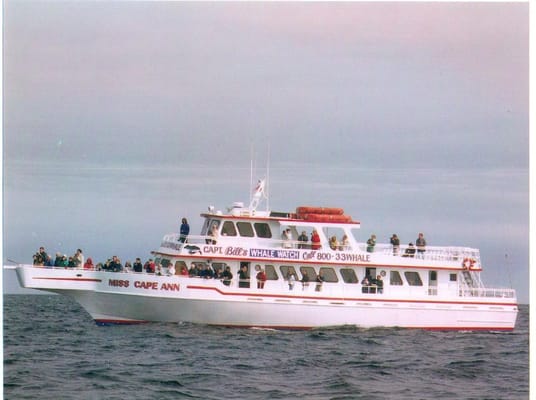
x=122 y=117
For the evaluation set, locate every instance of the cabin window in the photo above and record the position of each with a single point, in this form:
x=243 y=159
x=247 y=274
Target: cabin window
x=453 y=277
x=245 y=229
x=228 y=229
x=157 y=260
x=263 y=230
x=164 y=262
x=413 y=278
x=180 y=266
x=286 y=270
x=348 y=275
x=311 y=273
x=218 y=268
x=329 y=274
x=271 y=274
x=395 y=279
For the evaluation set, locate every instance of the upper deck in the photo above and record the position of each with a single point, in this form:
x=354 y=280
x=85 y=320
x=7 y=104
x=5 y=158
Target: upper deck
x=288 y=236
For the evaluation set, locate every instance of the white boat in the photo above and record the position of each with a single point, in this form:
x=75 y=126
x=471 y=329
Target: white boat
x=435 y=288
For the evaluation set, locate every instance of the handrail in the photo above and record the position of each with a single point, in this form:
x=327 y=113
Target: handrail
x=433 y=253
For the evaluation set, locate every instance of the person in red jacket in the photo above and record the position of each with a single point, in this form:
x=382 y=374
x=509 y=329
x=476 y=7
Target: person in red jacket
x=315 y=240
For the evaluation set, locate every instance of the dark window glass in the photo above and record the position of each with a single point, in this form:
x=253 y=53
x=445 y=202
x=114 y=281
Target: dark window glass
x=263 y=230
x=413 y=278
x=245 y=229
x=228 y=229
x=329 y=274
x=271 y=274
x=348 y=275
x=395 y=279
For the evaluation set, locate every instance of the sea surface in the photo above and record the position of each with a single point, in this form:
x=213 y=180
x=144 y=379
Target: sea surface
x=53 y=350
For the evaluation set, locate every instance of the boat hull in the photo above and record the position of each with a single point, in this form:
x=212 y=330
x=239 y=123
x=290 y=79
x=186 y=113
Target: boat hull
x=133 y=298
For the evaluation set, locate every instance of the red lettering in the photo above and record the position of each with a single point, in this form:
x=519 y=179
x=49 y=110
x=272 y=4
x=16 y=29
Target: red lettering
x=170 y=286
x=145 y=285
x=118 y=283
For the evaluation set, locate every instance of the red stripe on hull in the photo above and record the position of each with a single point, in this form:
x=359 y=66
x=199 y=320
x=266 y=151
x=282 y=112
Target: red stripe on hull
x=347 y=298
x=69 y=279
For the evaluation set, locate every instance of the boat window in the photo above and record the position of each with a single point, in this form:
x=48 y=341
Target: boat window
x=311 y=273
x=164 y=263
x=228 y=229
x=329 y=274
x=413 y=278
x=263 y=230
x=395 y=279
x=218 y=268
x=348 y=275
x=271 y=274
x=157 y=260
x=180 y=266
x=453 y=277
x=245 y=229
x=286 y=270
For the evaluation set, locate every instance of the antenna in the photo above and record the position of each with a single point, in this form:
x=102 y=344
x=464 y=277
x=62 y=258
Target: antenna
x=267 y=194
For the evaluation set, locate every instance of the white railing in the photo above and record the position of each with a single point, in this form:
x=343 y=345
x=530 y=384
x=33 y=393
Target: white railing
x=434 y=253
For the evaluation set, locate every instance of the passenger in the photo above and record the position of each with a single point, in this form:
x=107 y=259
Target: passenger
x=291 y=277
x=48 y=262
x=38 y=260
x=71 y=263
x=261 y=278
x=58 y=259
x=206 y=272
x=243 y=277
x=64 y=261
x=305 y=280
x=128 y=267
x=379 y=284
x=89 y=264
x=218 y=273
x=184 y=271
x=227 y=276
x=137 y=266
x=43 y=254
x=79 y=258
x=334 y=243
x=365 y=285
x=184 y=230
x=345 y=243
x=286 y=236
x=99 y=267
x=193 y=271
x=319 y=281
x=213 y=233
x=171 y=269
x=315 y=240
x=421 y=244
x=302 y=240
x=410 y=251
x=371 y=242
x=395 y=242
x=115 y=265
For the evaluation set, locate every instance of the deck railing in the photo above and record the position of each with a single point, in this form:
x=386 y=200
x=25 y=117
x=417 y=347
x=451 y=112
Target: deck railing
x=432 y=253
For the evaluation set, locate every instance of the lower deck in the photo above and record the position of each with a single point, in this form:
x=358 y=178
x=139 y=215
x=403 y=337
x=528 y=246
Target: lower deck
x=337 y=281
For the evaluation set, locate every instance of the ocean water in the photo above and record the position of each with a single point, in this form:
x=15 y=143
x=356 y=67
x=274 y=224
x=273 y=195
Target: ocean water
x=53 y=350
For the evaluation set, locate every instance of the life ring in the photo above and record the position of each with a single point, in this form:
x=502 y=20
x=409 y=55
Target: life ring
x=468 y=263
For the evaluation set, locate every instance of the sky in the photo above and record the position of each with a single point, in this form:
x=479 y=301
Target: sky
x=120 y=118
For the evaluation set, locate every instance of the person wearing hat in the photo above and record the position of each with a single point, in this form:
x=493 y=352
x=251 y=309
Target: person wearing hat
x=410 y=251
